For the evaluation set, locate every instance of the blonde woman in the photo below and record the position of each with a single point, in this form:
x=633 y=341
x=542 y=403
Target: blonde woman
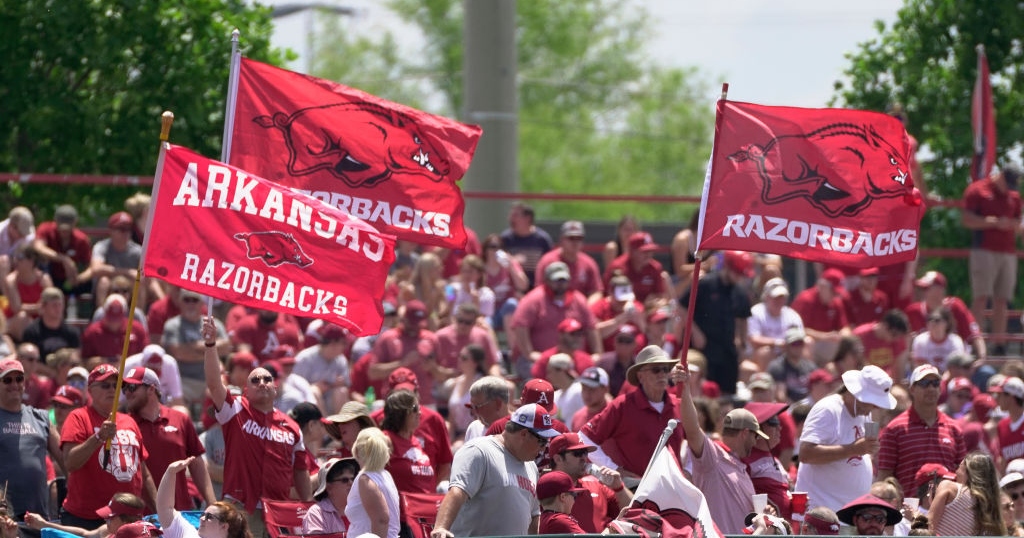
x=427 y=285
x=373 y=502
x=970 y=505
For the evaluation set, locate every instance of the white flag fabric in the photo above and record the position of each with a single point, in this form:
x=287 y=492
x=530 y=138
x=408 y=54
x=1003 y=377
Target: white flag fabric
x=682 y=506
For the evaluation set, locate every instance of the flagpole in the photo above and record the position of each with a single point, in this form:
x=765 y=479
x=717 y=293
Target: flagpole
x=166 y=120
x=662 y=441
x=230 y=101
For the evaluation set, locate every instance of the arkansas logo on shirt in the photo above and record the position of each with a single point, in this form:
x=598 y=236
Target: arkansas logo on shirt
x=123 y=459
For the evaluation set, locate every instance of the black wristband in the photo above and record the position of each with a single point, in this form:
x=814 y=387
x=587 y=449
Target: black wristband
x=209 y=344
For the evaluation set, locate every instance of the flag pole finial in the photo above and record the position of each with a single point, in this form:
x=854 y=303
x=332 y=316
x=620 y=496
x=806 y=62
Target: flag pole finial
x=166 y=119
x=725 y=90
x=980 y=48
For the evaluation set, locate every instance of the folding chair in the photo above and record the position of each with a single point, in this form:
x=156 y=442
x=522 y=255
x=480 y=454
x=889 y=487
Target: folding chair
x=421 y=512
x=284 y=518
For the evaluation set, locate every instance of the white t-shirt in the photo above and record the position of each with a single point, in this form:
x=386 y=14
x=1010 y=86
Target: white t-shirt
x=935 y=353
x=839 y=482
x=761 y=323
x=569 y=401
x=170 y=378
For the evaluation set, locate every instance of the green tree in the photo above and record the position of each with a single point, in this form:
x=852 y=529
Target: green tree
x=594 y=115
x=84 y=84
x=927 y=62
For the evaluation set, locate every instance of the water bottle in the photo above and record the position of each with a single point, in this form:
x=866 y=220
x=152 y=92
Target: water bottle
x=369 y=396
x=72 y=308
x=595 y=470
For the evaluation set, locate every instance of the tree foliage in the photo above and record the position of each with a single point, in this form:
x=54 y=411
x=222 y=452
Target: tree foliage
x=84 y=84
x=594 y=115
x=927 y=63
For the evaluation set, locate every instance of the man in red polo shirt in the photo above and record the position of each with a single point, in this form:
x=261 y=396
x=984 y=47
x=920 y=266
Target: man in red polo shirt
x=824 y=314
x=168 y=435
x=627 y=431
x=922 y=434
x=992 y=211
x=639 y=265
x=535 y=322
x=410 y=346
x=267 y=456
x=933 y=284
x=586 y=277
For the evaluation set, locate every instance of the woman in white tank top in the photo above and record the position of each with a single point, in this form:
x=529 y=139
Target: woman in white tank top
x=373 y=502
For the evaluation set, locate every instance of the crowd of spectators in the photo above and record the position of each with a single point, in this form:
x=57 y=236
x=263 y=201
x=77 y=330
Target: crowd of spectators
x=516 y=383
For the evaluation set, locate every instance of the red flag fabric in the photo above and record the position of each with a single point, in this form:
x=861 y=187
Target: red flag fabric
x=388 y=164
x=683 y=508
x=223 y=232
x=983 y=121
x=827 y=185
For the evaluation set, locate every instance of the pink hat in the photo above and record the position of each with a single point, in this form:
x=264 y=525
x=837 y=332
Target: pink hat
x=534 y=418
x=10 y=365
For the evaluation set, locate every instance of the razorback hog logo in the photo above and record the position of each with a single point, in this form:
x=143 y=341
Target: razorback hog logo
x=274 y=248
x=858 y=168
x=675 y=518
x=359 y=143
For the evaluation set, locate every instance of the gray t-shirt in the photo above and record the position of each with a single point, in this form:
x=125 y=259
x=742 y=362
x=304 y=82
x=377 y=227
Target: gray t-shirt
x=23 y=440
x=213 y=442
x=178 y=331
x=312 y=366
x=502 y=490
x=121 y=259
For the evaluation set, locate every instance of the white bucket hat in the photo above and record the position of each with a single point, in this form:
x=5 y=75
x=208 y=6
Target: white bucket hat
x=870 y=385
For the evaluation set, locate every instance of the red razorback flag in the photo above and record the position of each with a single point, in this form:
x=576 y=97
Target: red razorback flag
x=983 y=121
x=388 y=164
x=828 y=185
x=223 y=232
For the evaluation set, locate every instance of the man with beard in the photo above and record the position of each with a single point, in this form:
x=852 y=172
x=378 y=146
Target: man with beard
x=168 y=435
x=267 y=453
x=720 y=318
x=602 y=503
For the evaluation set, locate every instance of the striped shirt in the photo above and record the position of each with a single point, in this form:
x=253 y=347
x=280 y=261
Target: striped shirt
x=907 y=443
x=958 y=519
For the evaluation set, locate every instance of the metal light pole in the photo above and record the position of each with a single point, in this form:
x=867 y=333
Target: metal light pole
x=283 y=10
x=489 y=81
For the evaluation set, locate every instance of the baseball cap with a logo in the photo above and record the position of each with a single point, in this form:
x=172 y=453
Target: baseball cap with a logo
x=403 y=379
x=536 y=419
x=594 y=377
x=101 y=373
x=1013 y=386
x=142 y=376
x=69 y=396
x=539 y=391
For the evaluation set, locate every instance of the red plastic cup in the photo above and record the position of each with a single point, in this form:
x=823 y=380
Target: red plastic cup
x=798 y=502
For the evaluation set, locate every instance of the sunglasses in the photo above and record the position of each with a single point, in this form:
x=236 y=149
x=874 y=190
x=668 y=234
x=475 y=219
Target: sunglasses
x=343 y=480
x=106 y=385
x=130 y=389
x=656 y=370
x=543 y=441
x=190 y=300
x=581 y=453
x=773 y=422
x=256 y=380
x=625 y=341
x=207 y=516
x=929 y=383
x=934 y=320
x=876 y=518
x=465 y=321
x=19 y=379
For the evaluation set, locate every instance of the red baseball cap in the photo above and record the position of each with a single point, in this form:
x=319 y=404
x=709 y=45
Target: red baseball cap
x=139 y=529
x=116 y=508
x=642 y=242
x=403 y=378
x=833 y=276
x=931 y=470
x=763 y=411
x=555 y=483
x=539 y=391
x=120 y=220
x=931 y=278
x=568 y=442
x=821 y=375
x=68 y=395
x=740 y=262
x=243 y=359
x=569 y=325
x=101 y=373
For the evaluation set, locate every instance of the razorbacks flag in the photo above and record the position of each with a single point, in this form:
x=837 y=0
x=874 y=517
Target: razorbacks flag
x=983 y=121
x=388 y=164
x=828 y=185
x=223 y=232
x=684 y=510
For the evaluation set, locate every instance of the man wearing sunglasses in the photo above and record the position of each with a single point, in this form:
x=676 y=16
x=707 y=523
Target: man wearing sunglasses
x=268 y=456
x=96 y=470
x=599 y=503
x=168 y=434
x=25 y=438
x=869 y=514
x=922 y=434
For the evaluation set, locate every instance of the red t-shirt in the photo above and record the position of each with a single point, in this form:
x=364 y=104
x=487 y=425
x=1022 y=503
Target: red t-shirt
x=646 y=281
x=159 y=312
x=585 y=277
x=966 y=326
x=540 y=314
x=92 y=486
x=100 y=341
x=449 y=344
x=171 y=437
x=602 y=310
x=552 y=522
x=982 y=198
x=359 y=376
x=264 y=339
x=1011 y=442
x=879 y=352
x=264 y=449
x=817 y=315
x=768 y=476
x=410 y=467
x=395 y=344
x=432 y=435
x=596 y=507
x=860 y=310
x=78 y=248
